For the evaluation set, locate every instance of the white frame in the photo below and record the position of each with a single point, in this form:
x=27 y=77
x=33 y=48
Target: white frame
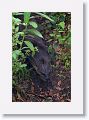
x=76 y=104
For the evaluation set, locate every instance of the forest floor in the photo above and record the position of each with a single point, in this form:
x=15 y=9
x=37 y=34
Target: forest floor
x=27 y=91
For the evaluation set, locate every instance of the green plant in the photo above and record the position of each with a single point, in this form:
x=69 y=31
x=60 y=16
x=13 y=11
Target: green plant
x=18 y=58
x=60 y=37
x=66 y=59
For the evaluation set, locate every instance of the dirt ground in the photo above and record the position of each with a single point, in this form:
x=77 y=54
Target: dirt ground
x=27 y=90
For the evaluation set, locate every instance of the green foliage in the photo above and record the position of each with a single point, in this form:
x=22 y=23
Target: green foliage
x=26 y=17
x=61 y=36
x=18 y=58
x=62 y=25
x=31 y=47
x=35 y=32
x=66 y=59
x=33 y=24
x=15 y=54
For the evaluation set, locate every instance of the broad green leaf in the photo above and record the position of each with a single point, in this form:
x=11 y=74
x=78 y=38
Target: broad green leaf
x=15 y=53
x=14 y=56
x=45 y=16
x=16 y=20
x=21 y=33
x=35 y=32
x=17 y=13
x=26 y=17
x=30 y=45
x=23 y=65
x=17 y=29
x=61 y=31
x=33 y=24
x=52 y=35
x=62 y=24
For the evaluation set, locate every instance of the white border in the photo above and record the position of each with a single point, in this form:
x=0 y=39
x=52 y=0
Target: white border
x=76 y=104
